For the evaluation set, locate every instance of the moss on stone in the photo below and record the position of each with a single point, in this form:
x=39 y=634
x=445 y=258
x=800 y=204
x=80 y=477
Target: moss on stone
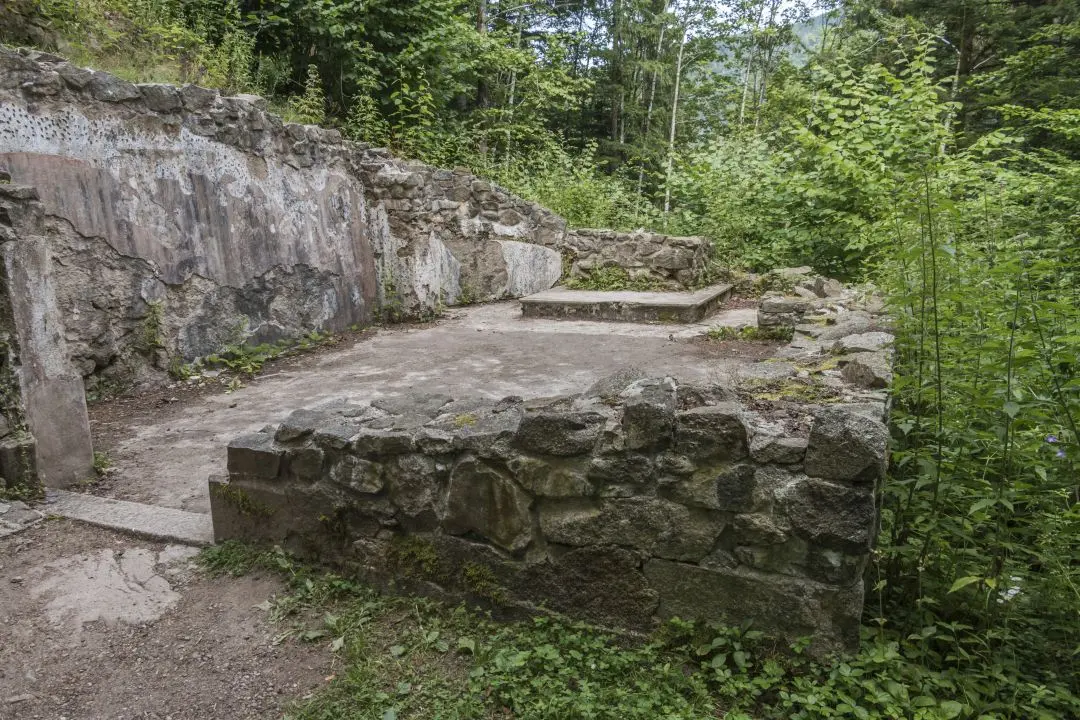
x=481 y=581
x=465 y=420
x=415 y=555
x=244 y=503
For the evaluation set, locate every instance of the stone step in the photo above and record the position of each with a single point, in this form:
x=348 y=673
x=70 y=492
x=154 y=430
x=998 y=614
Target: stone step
x=626 y=305
x=146 y=521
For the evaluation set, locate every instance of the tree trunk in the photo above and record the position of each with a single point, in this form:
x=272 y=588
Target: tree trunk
x=671 y=133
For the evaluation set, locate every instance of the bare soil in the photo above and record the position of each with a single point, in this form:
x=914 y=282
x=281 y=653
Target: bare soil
x=211 y=655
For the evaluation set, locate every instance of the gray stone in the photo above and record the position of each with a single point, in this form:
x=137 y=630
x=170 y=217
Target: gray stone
x=610 y=387
x=712 y=433
x=779 y=449
x=871 y=370
x=148 y=521
x=624 y=468
x=550 y=477
x=415 y=483
x=648 y=419
x=549 y=431
x=198 y=99
x=653 y=525
x=373 y=441
x=863 y=342
x=783 y=304
x=358 y=475
x=831 y=515
x=424 y=405
x=790 y=607
x=731 y=488
x=254 y=456
x=300 y=424
x=846 y=446
x=305 y=464
x=109 y=88
x=160 y=98
x=484 y=501
x=602 y=585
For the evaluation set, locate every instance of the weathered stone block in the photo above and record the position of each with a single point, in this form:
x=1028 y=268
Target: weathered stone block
x=558 y=432
x=829 y=514
x=654 y=525
x=373 y=441
x=648 y=419
x=872 y=370
x=358 y=475
x=791 y=607
x=712 y=432
x=846 y=446
x=305 y=464
x=254 y=456
x=482 y=500
x=416 y=483
x=550 y=477
x=779 y=449
x=599 y=584
x=109 y=88
x=160 y=98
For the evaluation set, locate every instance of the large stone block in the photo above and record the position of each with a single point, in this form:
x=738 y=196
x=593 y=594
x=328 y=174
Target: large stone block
x=485 y=501
x=254 y=456
x=846 y=446
x=790 y=607
x=550 y=431
x=653 y=525
x=829 y=514
x=648 y=419
x=731 y=488
x=712 y=433
x=603 y=585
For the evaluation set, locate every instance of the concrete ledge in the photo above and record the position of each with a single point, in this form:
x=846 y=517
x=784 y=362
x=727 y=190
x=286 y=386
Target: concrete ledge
x=626 y=305
x=147 y=521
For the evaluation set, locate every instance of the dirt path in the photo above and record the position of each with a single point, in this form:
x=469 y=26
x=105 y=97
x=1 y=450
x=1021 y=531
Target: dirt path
x=164 y=451
x=98 y=626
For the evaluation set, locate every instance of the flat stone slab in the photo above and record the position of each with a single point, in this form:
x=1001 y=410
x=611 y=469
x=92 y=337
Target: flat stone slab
x=147 y=521
x=626 y=305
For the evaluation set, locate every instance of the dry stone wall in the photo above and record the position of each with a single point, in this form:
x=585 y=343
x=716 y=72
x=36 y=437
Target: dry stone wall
x=672 y=262
x=640 y=499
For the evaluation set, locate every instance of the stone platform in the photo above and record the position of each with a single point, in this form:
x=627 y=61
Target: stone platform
x=626 y=305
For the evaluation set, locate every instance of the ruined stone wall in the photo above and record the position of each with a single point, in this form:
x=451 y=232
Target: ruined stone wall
x=44 y=431
x=183 y=220
x=637 y=500
x=673 y=262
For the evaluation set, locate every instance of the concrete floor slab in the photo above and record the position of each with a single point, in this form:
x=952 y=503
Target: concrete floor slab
x=487 y=350
x=147 y=521
x=626 y=305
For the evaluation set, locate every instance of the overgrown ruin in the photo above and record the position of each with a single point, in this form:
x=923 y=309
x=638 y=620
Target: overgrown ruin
x=145 y=226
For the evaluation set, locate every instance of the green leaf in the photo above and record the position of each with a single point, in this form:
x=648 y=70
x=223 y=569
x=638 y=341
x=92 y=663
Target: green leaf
x=964 y=582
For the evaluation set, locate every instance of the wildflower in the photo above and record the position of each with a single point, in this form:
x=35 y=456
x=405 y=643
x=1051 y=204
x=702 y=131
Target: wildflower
x=1051 y=438
x=1060 y=453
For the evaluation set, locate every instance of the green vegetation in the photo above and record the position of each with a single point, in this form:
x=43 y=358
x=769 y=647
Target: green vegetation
x=612 y=278
x=933 y=148
x=779 y=333
x=243 y=359
x=415 y=658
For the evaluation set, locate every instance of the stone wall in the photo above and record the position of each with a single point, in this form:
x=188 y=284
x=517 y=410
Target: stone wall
x=183 y=220
x=639 y=499
x=44 y=431
x=672 y=262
